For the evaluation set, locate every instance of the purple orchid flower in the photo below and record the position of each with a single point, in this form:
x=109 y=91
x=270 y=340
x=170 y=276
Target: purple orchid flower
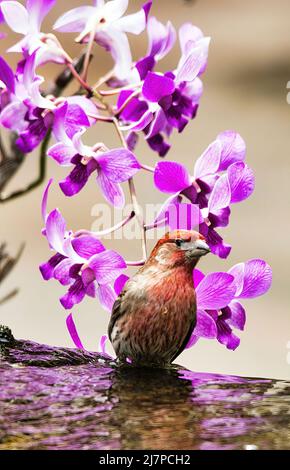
x=168 y=100
x=161 y=39
x=80 y=262
x=22 y=110
x=207 y=188
x=25 y=111
x=27 y=21
x=112 y=167
x=218 y=295
x=106 y=23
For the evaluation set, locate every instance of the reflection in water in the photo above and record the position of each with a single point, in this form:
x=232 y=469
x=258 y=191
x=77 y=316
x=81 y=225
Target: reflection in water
x=179 y=409
x=63 y=399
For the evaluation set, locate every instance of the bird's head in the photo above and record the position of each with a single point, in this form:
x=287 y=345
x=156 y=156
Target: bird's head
x=180 y=247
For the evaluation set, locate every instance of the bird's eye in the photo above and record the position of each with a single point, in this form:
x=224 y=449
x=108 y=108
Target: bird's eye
x=179 y=242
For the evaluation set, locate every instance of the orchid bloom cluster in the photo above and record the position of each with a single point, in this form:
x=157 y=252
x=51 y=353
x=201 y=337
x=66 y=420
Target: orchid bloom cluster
x=149 y=104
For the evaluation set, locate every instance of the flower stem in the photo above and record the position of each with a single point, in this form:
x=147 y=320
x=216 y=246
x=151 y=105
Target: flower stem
x=88 y=53
x=105 y=232
x=134 y=199
x=77 y=76
x=116 y=91
x=147 y=168
x=156 y=224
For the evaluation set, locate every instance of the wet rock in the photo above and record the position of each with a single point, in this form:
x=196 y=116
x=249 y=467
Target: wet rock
x=59 y=398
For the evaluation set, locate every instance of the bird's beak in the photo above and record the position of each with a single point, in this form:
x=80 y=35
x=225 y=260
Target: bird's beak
x=200 y=248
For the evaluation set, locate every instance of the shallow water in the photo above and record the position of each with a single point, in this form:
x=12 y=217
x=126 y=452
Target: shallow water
x=56 y=398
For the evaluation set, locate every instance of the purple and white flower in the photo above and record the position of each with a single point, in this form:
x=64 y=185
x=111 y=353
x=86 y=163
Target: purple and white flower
x=25 y=111
x=167 y=101
x=27 y=21
x=220 y=178
x=111 y=167
x=218 y=300
x=106 y=23
x=80 y=262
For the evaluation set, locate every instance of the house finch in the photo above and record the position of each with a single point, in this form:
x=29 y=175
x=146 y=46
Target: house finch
x=155 y=315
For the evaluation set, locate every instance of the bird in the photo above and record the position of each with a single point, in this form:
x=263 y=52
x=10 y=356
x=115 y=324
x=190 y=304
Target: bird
x=154 y=316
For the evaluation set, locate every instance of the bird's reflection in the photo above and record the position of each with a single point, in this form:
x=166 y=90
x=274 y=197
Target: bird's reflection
x=153 y=409
x=178 y=409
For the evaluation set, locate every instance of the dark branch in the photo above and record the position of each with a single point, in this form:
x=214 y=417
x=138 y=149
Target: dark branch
x=7 y=263
x=41 y=175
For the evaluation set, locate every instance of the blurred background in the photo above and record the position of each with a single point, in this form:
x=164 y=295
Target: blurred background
x=245 y=88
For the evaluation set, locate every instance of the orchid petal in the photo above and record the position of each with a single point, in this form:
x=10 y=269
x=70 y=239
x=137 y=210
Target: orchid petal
x=102 y=345
x=143 y=122
x=197 y=277
x=7 y=75
x=120 y=283
x=44 y=200
x=75 y=119
x=37 y=10
x=58 y=129
x=87 y=246
x=238 y=271
x=238 y=315
x=161 y=38
x=62 y=272
x=106 y=296
x=163 y=212
x=233 y=148
x=190 y=66
x=107 y=266
x=215 y=291
x=156 y=86
x=188 y=34
x=226 y=336
x=73 y=332
x=55 y=230
x=215 y=241
x=16 y=16
x=134 y=23
x=171 y=177
x=88 y=278
x=221 y=195
x=257 y=279
x=158 y=124
x=75 y=294
x=118 y=165
x=209 y=162
x=242 y=181
x=62 y=154
x=75 y=181
x=37 y=98
x=115 y=9
x=193 y=340
x=47 y=269
x=74 y=20
x=117 y=43
x=112 y=192
x=205 y=325
x=86 y=105
x=13 y=117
